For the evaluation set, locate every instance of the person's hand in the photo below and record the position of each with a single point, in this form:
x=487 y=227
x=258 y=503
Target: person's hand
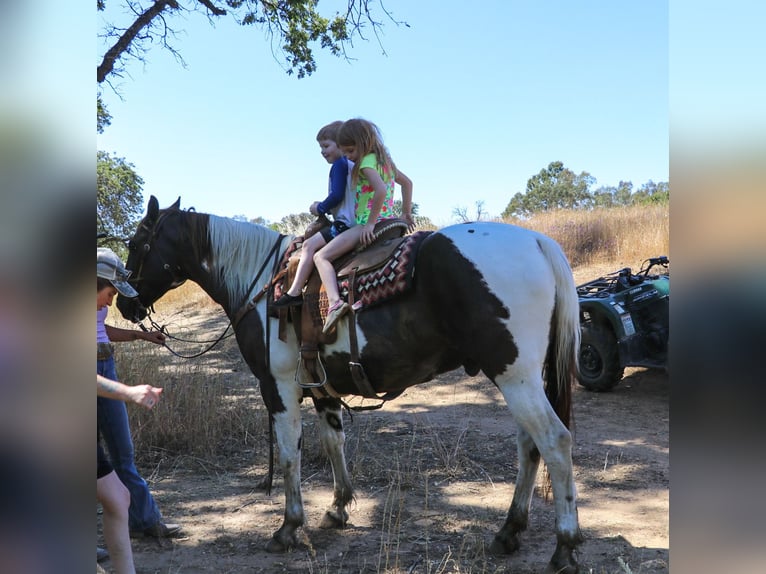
x=410 y=222
x=368 y=233
x=156 y=337
x=145 y=395
x=314 y=208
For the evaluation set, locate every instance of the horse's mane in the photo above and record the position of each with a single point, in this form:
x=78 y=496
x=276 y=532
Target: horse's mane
x=238 y=250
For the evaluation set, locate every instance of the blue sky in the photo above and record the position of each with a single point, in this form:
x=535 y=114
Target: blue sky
x=471 y=104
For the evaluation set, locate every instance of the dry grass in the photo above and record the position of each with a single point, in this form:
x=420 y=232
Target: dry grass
x=625 y=235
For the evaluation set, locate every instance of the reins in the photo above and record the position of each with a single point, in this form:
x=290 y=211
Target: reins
x=163 y=329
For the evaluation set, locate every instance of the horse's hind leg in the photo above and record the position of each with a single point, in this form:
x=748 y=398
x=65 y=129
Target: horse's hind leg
x=506 y=540
x=533 y=413
x=333 y=440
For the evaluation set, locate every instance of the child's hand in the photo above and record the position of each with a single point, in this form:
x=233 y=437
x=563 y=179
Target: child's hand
x=367 y=233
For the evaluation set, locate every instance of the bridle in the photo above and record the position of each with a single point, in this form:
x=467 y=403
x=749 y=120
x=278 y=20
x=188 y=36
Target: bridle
x=174 y=275
x=147 y=247
x=175 y=272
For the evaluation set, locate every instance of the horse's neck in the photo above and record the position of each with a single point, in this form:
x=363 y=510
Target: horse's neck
x=240 y=263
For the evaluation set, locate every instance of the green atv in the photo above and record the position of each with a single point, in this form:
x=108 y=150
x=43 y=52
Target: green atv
x=625 y=322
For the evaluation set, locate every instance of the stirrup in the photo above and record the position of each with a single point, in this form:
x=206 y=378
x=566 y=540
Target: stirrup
x=310 y=385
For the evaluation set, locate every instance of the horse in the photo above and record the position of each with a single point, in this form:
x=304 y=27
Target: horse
x=486 y=296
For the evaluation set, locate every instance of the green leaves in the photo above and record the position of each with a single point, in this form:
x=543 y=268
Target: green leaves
x=118 y=196
x=296 y=26
x=557 y=187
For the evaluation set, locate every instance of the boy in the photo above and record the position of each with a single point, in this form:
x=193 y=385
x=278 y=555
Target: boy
x=340 y=202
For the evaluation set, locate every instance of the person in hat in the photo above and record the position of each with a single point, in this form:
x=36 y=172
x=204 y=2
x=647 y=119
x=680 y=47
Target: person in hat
x=144 y=515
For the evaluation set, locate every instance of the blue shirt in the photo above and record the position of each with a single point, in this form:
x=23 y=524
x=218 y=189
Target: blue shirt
x=340 y=201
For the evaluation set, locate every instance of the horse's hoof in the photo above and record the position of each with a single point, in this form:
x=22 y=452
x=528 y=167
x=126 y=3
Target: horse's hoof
x=334 y=520
x=551 y=569
x=277 y=545
x=563 y=561
x=504 y=546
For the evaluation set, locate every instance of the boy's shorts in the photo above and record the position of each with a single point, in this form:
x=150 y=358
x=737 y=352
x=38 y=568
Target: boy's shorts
x=331 y=232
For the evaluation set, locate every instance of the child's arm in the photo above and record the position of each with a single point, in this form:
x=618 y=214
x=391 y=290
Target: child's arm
x=406 y=185
x=338 y=179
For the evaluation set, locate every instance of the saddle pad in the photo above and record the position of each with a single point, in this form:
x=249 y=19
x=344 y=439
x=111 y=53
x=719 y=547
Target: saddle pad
x=393 y=278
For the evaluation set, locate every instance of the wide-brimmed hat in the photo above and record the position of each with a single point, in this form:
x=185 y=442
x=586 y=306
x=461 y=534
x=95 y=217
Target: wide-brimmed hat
x=111 y=268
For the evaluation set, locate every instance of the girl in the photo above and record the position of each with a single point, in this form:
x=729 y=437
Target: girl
x=373 y=175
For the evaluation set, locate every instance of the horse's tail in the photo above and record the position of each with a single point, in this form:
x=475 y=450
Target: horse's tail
x=564 y=342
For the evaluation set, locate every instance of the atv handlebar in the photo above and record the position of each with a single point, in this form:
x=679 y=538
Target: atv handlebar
x=622 y=279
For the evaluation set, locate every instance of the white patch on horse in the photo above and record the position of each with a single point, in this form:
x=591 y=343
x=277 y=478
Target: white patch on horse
x=238 y=266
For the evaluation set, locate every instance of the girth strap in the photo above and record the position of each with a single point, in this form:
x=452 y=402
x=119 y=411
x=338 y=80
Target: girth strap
x=357 y=371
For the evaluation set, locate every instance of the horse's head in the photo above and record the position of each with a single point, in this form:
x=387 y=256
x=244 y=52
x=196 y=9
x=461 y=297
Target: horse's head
x=153 y=259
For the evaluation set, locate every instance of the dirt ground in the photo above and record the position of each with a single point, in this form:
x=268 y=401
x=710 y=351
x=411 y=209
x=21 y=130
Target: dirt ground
x=433 y=472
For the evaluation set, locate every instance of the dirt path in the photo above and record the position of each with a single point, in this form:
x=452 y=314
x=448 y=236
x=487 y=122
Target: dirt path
x=434 y=473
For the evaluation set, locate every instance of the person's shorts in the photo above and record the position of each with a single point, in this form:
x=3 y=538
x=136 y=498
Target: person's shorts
x=104 y=466
x=331 y=232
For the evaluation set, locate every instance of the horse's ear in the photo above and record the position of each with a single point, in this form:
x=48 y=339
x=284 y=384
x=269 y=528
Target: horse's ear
x=153 y=209
x=177 y=204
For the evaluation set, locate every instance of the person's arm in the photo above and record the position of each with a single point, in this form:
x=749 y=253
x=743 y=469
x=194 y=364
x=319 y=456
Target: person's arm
x=406 y=185
x=144 y=395
x=378 y=198
x=338 y=177
x=118 y=335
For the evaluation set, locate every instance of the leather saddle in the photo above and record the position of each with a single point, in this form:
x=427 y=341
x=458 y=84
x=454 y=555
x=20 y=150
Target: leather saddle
x=308 y=319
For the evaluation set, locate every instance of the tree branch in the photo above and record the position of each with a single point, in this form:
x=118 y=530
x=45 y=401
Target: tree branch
x=215 y=10
x=124 y=42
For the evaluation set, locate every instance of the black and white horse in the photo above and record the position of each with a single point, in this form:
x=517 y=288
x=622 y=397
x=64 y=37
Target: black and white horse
x=487 y=297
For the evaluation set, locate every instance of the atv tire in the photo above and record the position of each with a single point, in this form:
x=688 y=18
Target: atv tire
x=600 y=368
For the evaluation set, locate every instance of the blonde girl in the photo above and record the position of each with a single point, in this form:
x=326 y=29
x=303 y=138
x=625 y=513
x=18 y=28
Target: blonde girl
x=374 y=176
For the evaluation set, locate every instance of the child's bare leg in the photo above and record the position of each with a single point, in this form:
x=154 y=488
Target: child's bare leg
x=115 y=500
x=306 y=263
x=323 y=259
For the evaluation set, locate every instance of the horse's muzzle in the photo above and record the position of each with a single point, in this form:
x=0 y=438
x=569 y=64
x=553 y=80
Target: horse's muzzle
x=131 y=309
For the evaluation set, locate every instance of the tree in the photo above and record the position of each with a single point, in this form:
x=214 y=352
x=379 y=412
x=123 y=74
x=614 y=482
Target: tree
x=461 y=212
x=555 y=187
x=118 y=195
x=294 y=224
x=653 y=193
x=260 y=220
x=604 y=196
x=397 y=211
x=295 y=25
x=103 y=117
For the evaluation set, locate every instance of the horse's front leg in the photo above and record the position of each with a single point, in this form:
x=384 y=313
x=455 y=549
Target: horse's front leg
x=333 y=440
x=288 y=435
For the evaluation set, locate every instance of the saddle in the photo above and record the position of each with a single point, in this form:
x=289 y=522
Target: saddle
x=367 y=276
